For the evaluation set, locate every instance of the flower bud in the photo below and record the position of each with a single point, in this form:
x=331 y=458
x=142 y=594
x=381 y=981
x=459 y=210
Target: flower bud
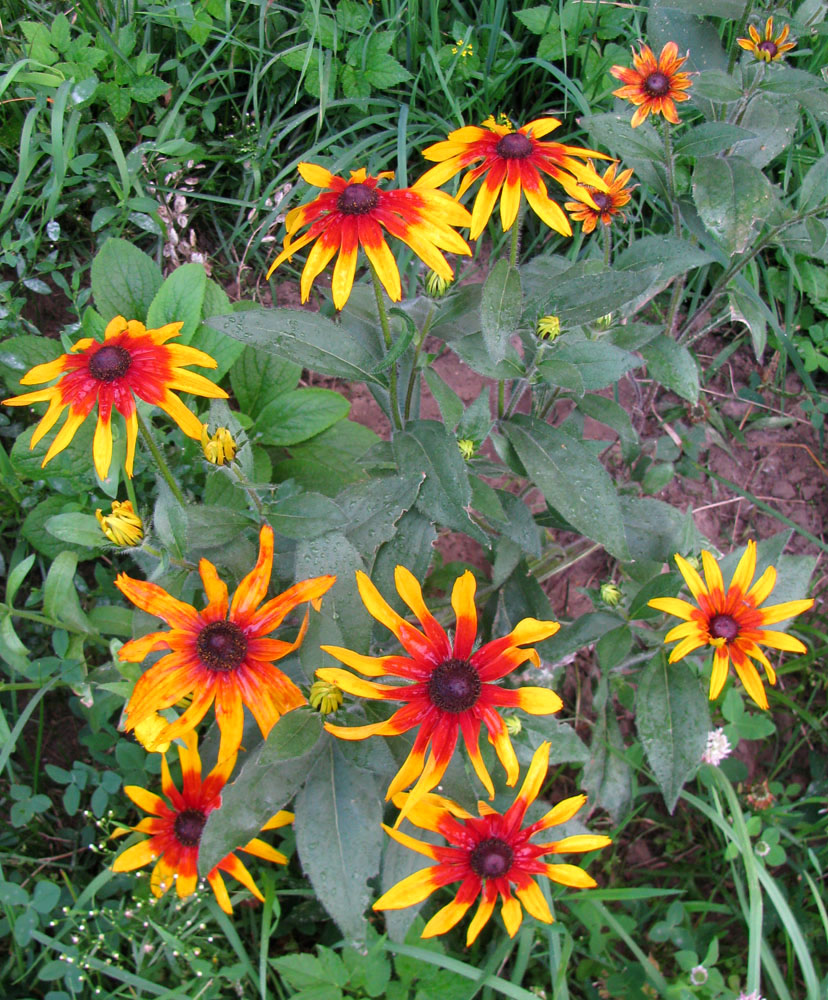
x=219 y=448
x=549 y=328
x=436 y=285
x=611 y=594
x=123 y=526
x=513 y=725
x=325 y=697
x=466 y=446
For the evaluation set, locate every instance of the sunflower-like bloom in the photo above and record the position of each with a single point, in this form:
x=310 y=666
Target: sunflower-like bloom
x=489 y=854
x=132 y=361
x=175 y=829
x=654 y=85
x=768 y=49
x=452 y=689
x=511 y=161
x=353 y=213
x=731 y=621
x=602 y=205
x=218 y=654
x=123 y=526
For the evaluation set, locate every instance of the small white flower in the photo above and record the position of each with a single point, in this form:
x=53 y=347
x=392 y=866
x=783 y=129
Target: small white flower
x=762 y=848
x=698 y=975
x=718 y=747
x=750 y=996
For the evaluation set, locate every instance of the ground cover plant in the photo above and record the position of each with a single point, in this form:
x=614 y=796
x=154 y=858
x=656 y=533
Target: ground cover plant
x=525 y=244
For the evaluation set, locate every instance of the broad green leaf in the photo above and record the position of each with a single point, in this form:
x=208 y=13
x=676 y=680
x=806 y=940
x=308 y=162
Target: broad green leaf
x=19 y=354
x=308 y=515
x=537 y=19
x=34 y=528
x=269 y=778
x=812 y=191
x=562 y=375
x=672 y=719
x=719 y=86
x=607 y=777
x=473 y=351
x=16 y=577
x=330 y=460
x=500 y=308
x=614 y=131
x=567 y=747
x=608 y=412
x=169 y=520
x=60 y=597
x=709 y=138
x=298 y=415
x=582 y=294
x=384 y=71
x=747 y=308
x=571 y=479
x=372 y=509
x=82 y=529
x=258 y=377
x=124 y=280
x=673 y=366
x=656 y=530
x=519 y=525
x=180 y=300
x=305 y=338
x=731 y=196
x=339 y=837
x=451 y=406
x=412 y=546
x=426 y=449
x=670 y=20
x=334 y=553
x=599 y=364
x=674 y=256
x=772 y=118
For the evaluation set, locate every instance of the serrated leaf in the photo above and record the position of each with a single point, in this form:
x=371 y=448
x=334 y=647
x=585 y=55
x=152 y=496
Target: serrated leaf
x=731 y=196
x=500 y=308
x=571 y=479
x=146 y=89
x=269 y=778
x=383 y=71
x=118 y=99
x=710 y=138
x=373 y=508
x=673 y=366
x=298 y=415
x=537 y=19
x=583 y=294
x=179 y=300
x=672 y=720
x=339 y=837
x=124 y=280
x=330 y=460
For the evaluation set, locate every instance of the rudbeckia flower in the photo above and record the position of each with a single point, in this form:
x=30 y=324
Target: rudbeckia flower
x=132 y=361
x=220 y=653
x=731 y=621
x=175 y=827
x=452 y=687
x=511 y=161
x=353 y=213
x=488 y=855
x=123 y=526
x=593 y=205
x=768 y=49
x=654 y=85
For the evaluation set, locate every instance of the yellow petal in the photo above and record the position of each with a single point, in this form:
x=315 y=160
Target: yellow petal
x=746 y=568
x=446 y=918
x=533 y=899
x=570 y=875
x=581 y=842
x=563 y=811
x=409 y=891
x=512 y=915
x=692 y=578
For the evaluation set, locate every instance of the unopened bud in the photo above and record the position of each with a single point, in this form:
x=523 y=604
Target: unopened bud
x=611 y=594
x=549 y=328
x=325 y=697
x=123 y=526
x=219 y=448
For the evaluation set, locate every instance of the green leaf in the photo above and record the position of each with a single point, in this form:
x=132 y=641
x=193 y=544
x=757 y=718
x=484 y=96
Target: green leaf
x=674 y=256
x=305 y=972
x=118 y=99
x=672 y=720
x=812 y=191
x=656 y=530
x=731 y=196
x=179 y=300
x=124 y=281
x=571 y=479
x=772 y=118
x=305 y=338
x=607 y=777
x=339 y=837
x=373 y=508
x=334 y=553
x=328 y=462
x=308 y=515
x=258 y=377
x=351 y=16
x=561 y=375
x=19 y=354
x=451 y=406
x=82 y=529
x=710 y=138
x=614 y=131
x=60 y=598
x=34 y=528
x=298 y=415
x=500 y=308
x=747 y=308
x=426 y=449
x=147 y=89
x=719 y=86
x=599 y=364
x=673 y=366
x=412 y=546
x=583 y=294
x=383 y=71
x=608 y=412
x=537 y=19
x=16 y=577
x=269 y=778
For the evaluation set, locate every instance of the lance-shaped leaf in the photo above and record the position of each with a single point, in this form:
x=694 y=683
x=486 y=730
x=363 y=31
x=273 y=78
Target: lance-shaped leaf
x=500 y=308
x=731 y=196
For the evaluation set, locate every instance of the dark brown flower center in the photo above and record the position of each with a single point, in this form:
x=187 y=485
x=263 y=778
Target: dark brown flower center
x=357 y=199
x=603 y=201
x=515 y=146
x=491 y=858
x=109 y=363
x=188 y=826
x=769 y=47
x=454 y=686
x=724 y=627
x=221 y=646
x=657 y=84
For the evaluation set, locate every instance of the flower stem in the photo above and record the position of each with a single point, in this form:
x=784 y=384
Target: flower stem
x=734 y=50
x=160 y=461
x=515 y=245
x=678 y=287
x=418 y=346
x=607 y=245
x=386 y=334
x=130 y=488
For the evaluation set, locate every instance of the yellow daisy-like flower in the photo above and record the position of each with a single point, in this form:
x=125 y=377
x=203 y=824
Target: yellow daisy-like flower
x=491 y=855
x=132 y=361
x=218 y=448
x=175 y=829
x=511 y=162
x=594 y=206
x=452 y=687
x=220 y=654
x=353 y=213
x=123 y=526
x=654 y=85
x=731 y=621
x=768 y=49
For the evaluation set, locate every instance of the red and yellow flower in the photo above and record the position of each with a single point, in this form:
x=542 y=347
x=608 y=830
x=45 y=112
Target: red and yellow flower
x=592 y=205
x=175 y=827
x=731 y=621
x=220 y=653
x=451 y=688
x=353 y=213
x=132 y=361
x=654 y=85
x=511 y=162
x=491 y=856
x=768 y=49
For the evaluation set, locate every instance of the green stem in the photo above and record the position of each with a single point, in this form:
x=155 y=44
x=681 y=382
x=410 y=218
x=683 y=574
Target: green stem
x=130 y=488
x=386 y=334
x=160 y=461
x=247 y=487
x=607 y=245
x=501 y=399
x=734 y=49
x=412 y=378
x=678 y=287
x=515 y=245
x=33 y=616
